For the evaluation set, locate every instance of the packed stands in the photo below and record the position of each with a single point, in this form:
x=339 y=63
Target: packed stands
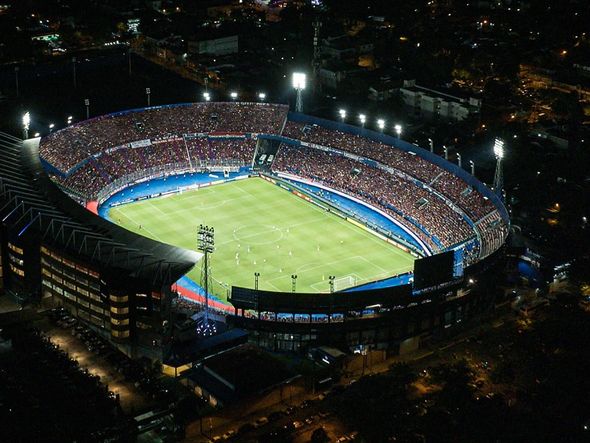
x=401 y=198
x=106 y=152
x=441 y=180
x=67 y=148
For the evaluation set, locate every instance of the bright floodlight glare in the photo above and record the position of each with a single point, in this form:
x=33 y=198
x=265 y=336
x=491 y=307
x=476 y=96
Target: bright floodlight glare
x=499 y=148
x=299 y=80
x=398 y=129
x=342 y=113
x=262 y=96
x=51 y=126
x=206 y=96
x=27 y=119
x=362 y=118
x=381 y=123
x=233 y=95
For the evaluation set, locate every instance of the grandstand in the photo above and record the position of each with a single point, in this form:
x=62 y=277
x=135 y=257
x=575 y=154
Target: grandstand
x=402 y=194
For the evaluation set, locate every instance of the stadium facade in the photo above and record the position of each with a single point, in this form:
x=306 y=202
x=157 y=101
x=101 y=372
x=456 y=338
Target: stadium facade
x=53 y=243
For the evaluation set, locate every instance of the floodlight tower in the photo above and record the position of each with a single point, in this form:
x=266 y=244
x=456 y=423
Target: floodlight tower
x=26 y=124
x=342 y=113
x=381 y=124
x=299 y=81
x=499 y=176
x=363 y=119
x=206 y=244
x=398 y=130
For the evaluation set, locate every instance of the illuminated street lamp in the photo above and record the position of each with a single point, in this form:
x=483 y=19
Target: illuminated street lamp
x=472 y=166
x=207 y=96
x=342 y=113
x=51 y=126
x=233 y=95
x=431 y=143
x=299 y=84
x=459 y=159
x=398 y=130
x=261 y=96
x=446 y=151
x=26 y=124
x=363 y=119
x=381 y=124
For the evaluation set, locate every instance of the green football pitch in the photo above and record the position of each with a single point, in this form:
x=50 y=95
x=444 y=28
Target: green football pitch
x=260 y=227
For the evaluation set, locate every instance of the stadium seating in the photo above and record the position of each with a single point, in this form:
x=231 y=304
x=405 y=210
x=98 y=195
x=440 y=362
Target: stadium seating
x=439 y=207
x=65 y=149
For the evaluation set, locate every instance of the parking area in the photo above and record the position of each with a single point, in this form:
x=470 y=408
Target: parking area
x=99 y=358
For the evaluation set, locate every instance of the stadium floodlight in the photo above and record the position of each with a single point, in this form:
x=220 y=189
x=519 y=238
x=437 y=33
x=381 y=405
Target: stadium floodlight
x=363 y=119
x=233 y=95
x=26 y=124
x=37 y=134
x=398 y=130
x=498 y=175
x=261 y=96
x=459 y=159
x=431 y=143
x=342 y=113
x=381 y=124
x=446 y=151
x=299 y=80
x=69 y=120
x=499 y=148
x=207 y=96
x=51 y=126
x=472 y=166
x=299 y=83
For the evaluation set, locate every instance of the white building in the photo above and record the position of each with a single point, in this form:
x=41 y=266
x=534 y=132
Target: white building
x=439 y=103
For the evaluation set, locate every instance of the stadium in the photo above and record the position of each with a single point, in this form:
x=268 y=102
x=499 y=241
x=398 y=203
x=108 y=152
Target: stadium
x=324 y=232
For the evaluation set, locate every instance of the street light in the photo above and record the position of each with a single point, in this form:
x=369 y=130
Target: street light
x=69 y=120
x=398 y=130
x=342 y=113
x=446 y=150
x=26 y=124
x=472 y=166
x=431 y=145
x=299 y=83
x=51 y=126
x=381 y=124
x=206 y=96
x=459 y=159
x=363 y=119
x=262 y=96
x=233 y=95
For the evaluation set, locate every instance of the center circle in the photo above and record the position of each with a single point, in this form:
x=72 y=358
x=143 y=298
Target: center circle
x=258 y=234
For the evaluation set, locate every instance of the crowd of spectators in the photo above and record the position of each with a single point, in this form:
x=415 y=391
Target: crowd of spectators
x=96 y=173
x=220 y=151
x=471 y=201
x=110 y=147
x=400 y=197
x=66 y=148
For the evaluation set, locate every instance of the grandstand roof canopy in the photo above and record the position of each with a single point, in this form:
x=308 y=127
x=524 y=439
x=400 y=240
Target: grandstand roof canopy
x=30 y=203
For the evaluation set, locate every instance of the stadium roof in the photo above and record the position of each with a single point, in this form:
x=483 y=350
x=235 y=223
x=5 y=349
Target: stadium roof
x=30 y=203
